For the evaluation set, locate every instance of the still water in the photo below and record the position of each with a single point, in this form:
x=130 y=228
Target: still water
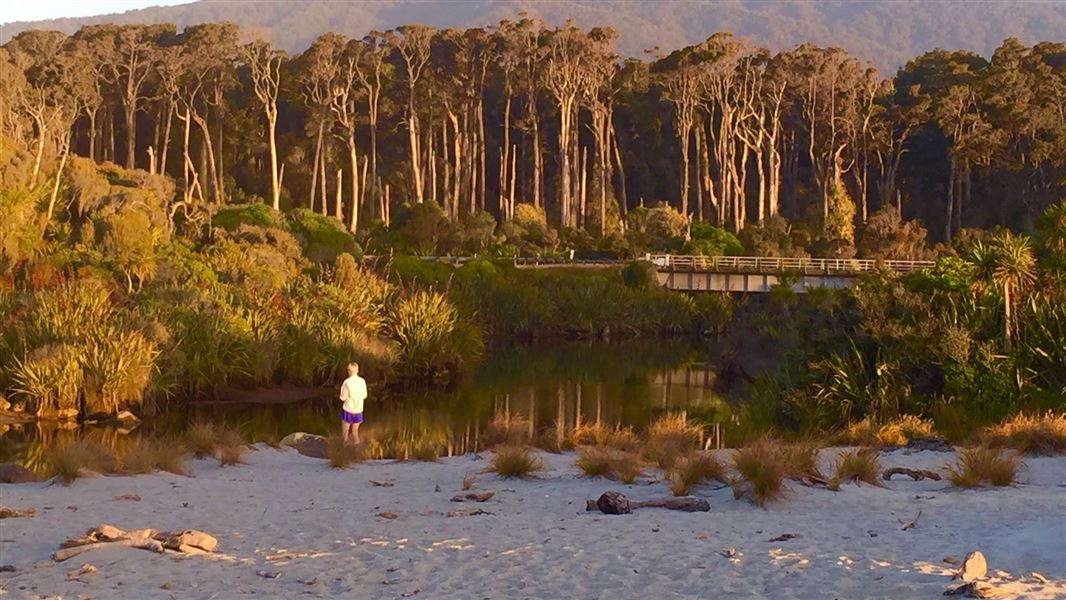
x=547 y=388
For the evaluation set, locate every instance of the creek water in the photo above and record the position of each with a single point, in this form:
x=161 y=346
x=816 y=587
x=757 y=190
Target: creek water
x=549 y=389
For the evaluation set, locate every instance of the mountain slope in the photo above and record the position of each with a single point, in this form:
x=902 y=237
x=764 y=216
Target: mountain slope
x=885 y=33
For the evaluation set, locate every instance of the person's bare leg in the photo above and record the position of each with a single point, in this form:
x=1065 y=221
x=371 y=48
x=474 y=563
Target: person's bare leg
x=355 y=432
x=344 y=432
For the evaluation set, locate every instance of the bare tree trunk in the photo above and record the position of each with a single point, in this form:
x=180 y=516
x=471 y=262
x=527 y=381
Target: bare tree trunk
x=338 y=203
x=623 y=204
x=353 y=164
x=583 y=203
x=275 y=176
x=164 y=149
x=130 y=112
x=314 y=169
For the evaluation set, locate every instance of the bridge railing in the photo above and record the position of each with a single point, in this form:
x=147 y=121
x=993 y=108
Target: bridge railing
x=770 y=264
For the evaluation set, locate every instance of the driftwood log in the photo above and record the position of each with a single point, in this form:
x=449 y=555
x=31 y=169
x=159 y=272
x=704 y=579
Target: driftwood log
x=14 y=513
x=915 y=474
x=617 y=503
x=189 y=541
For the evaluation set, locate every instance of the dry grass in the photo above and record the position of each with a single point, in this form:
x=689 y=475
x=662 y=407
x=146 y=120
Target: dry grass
x=598 y=434
x=506 y=431
x=516 y=461
x=341 y=454
x=230 y=447
x=468 y=482
x=856 y=466
x=670 y=438
x=612 y=463
x=201 y=438
x=150 y=455
x=553 y=440
x=984 y=466
x=82 y=458
x=893 y=433
x=425 y=450
x=800 y=459
x=762 y=469
x=694 y=469
x=1030 y=434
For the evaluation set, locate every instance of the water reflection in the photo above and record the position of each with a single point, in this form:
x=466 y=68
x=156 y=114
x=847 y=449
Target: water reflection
x=553 y=388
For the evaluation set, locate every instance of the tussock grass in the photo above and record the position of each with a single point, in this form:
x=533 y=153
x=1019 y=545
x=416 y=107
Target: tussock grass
x=856 y=466
x=151 y=455
x=598 y=434
x=897 y=432
x=669 y=438
x=516 y=461
x=612 y=463
x=202 y=437
x=469 y=481
x=506 y=431
x=1030 y=434
x=762 y=468
x=984 y=466
x=425 y=450
x=81 y=458
x=230 y=447
x=694 y=469
x=341 y=454
x=800 y=458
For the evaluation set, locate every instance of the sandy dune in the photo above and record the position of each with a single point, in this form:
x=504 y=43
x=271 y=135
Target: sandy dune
x=318 y=530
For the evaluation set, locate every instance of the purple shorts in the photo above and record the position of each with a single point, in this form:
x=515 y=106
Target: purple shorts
x=348 y=417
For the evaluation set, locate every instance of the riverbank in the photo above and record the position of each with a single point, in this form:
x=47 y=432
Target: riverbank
x=327 y=533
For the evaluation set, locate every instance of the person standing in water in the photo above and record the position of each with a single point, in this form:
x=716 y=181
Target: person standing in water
x=353 y=393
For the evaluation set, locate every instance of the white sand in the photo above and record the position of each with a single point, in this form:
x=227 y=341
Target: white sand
x=286 y=513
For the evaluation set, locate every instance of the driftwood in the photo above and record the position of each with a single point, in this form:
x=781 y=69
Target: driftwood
x=915 y=474
x=909 y=524
x=12 y=513
x=189 y=541
x=474 y=497
x=616 y=503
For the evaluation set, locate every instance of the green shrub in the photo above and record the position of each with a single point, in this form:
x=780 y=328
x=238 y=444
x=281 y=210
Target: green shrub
x=323 y=238
x=232 y=217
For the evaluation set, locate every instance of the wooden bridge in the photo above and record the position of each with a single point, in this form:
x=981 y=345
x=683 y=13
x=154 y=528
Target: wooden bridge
x=758 y=274
x=731 y=274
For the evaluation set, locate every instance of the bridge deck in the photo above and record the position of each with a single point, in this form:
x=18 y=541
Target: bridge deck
x=770 y=264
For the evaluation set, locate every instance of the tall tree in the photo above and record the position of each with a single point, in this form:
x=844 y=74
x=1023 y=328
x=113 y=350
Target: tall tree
x=264 y=68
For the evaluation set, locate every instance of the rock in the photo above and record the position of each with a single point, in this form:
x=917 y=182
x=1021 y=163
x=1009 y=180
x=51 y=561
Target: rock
x=387 y=515
x=951 y=560
x=614 y=503
x=974 y=567
x=12 y=473
x=307 y=444
x=62 y=414
x=974 y=589
x=127 y=418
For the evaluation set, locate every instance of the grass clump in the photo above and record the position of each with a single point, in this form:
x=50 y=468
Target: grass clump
x=82 y=458
x=897 y=432
x=612 y=463
x=598 y=434
x=469 y=481
x=341 y=454
x=230 y=447
x=800 y=459
x=761 y=467
x=151 y=455
x=1030 y=434
x=694 y=469
x=984 y=466
x=857 y=466
x=670 y=438
x=202 y=437
x=506 y=431
x=516 y=461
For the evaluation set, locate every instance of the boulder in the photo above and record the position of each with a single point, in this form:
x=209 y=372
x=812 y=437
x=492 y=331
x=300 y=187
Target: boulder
x=12 y=473
x=974 y=567
x=307 y=444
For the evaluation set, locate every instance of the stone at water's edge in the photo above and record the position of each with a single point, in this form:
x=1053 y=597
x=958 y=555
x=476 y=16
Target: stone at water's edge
x=12 y=473
x=307 y=444
x=614 y=503
x=974 y=567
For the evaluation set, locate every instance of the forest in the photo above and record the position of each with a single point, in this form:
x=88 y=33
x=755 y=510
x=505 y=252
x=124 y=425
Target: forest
x=186 y=212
